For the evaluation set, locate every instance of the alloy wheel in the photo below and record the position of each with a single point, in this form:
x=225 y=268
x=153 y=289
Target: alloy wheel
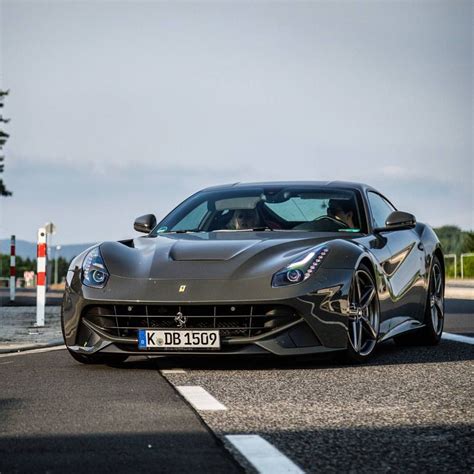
x=436 y=299
x=363 y=314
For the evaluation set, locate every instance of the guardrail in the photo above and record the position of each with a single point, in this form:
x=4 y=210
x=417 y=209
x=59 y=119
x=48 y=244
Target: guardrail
x=463 y=256
x=462 y=262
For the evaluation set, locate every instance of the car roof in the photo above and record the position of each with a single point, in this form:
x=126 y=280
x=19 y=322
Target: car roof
x=269 y=184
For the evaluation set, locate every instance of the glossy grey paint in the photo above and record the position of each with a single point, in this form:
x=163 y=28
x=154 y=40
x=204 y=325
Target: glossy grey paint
x=233 y=267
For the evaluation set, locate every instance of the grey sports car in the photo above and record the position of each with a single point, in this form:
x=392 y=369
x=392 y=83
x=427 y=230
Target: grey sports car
x=282 y=268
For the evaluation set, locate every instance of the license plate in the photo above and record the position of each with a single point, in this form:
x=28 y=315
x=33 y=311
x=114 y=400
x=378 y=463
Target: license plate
x=178 y=339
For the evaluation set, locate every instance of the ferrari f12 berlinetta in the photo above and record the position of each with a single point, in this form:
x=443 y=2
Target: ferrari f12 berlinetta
x=282 y=268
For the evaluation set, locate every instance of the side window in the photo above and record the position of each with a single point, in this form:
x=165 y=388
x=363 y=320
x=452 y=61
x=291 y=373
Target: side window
x=380 y=209
x=192 y=220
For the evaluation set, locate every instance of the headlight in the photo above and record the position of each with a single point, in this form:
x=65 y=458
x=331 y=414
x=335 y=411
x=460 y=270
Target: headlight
x=301 y=269
x=94 y=273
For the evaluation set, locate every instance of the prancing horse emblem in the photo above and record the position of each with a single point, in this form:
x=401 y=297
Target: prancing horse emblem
x=180 y=320
x=182 y=288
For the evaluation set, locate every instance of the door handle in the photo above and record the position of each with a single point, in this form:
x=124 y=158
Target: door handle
x=421 y=246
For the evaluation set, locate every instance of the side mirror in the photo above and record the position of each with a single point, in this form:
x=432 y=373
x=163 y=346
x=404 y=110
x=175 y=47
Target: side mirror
x=145 y=223
x=398 y=220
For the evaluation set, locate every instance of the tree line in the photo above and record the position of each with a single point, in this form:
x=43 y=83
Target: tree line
x=27 y=265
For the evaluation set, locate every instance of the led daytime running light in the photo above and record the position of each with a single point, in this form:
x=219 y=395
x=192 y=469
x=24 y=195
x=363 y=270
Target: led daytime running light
x=301 y=269
x=315 y=263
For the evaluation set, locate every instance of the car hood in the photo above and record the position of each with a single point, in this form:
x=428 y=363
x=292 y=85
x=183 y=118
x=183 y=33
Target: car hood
x=216 y=255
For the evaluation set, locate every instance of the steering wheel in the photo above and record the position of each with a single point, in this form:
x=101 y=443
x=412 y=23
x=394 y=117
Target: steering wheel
x=332 y=220
x=322 y=224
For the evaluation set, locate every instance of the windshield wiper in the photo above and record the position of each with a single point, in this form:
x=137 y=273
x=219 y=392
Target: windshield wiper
x=254 y=229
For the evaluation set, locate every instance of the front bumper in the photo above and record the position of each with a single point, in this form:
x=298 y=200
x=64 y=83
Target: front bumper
x=107 y=320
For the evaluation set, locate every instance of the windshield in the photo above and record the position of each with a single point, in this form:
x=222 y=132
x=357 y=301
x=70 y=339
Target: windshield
x=290 y=208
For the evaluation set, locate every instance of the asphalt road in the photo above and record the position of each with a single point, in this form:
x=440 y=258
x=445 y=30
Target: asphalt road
x=59 y=416
x=409 y=410
x=459 y=316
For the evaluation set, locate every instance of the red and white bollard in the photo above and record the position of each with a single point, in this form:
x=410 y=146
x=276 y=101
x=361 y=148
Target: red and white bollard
x=41 y=277
x=12 y=269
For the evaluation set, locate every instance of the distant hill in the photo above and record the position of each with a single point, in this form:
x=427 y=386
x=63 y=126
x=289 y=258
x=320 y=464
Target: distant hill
x=27 y=249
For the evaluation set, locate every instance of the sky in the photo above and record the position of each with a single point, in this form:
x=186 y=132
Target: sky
x=120 y=109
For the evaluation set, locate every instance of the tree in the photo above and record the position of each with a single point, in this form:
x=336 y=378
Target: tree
x=456 y=241
x=3 y=139
x=22 y=265
x=451 y=238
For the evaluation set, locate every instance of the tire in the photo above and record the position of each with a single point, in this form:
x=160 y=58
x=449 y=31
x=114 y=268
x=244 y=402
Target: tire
x=430 y=333
x=109 y=359
x=364 y=317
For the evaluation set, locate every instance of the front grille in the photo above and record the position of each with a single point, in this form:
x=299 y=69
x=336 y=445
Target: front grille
x=233 y=321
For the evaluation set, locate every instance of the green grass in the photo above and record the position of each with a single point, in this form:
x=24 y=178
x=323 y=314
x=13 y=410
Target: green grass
x=468 y=267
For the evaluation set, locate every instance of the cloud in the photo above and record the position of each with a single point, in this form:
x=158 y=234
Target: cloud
x=125 y=108
x=395 y=171
x=89 y=206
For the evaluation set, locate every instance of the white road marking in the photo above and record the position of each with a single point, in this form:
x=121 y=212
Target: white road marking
x=199 y=398
x=264 y=457
x=457 y=337
x=173 y=371
x=33 y=351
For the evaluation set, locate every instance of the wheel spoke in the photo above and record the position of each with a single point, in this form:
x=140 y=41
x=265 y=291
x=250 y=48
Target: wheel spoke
x=367 y=298
x=356 y=335
x=359 y=336
x=358 y=288
x=353 y=336
x=438 y=303
x=369 y=329
x=435 y=280
x=439 y=281
x=434 y=318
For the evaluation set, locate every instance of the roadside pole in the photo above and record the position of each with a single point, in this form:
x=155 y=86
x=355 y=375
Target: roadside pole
x=41 y=277
x=56 y=254
x=50 y=230
x=12 y=269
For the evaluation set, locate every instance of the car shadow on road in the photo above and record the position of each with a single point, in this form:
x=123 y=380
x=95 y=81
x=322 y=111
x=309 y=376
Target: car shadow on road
x=387 y=354
x=157 y=452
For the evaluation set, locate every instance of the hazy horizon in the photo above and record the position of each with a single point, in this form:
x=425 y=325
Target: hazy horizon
x=119 y=109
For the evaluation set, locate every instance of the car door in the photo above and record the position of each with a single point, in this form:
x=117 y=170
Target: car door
x=404 y=269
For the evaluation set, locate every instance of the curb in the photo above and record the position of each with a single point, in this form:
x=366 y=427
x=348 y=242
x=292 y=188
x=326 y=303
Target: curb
x=29 y=347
